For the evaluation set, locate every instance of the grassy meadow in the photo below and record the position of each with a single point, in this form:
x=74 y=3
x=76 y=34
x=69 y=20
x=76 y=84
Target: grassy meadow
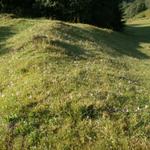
x=67 y=86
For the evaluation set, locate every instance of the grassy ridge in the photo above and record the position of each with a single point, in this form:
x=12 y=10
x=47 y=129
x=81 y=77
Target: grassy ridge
x=73 y=86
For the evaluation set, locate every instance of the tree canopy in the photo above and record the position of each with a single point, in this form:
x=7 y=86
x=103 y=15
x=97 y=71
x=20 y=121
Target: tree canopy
x=103 y=13
x=133 y=7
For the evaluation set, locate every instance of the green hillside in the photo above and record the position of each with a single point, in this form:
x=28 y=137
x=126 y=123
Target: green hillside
x=70 y=86
x=143 y=15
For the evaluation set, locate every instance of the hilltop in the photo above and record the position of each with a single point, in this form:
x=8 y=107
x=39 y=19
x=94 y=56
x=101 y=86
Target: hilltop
x=73 y=86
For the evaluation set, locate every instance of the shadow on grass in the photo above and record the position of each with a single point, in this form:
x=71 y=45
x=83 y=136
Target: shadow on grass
x=71 y=50
x=5 y=33
x=113 y=43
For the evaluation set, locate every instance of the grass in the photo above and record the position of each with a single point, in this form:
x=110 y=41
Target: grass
x=70 y=86
x=144 y=16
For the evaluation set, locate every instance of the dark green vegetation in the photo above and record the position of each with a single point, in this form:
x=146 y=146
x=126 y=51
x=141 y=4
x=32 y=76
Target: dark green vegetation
x=70 y=86
x=143 y=14
x=102 y=13
x=133 y=7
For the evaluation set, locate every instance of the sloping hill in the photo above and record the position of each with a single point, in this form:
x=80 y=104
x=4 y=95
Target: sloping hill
x=73 y=86
x=144 y=15
x=141 y=17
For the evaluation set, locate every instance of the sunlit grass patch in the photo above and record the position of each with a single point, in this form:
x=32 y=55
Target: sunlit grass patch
x=73 y=86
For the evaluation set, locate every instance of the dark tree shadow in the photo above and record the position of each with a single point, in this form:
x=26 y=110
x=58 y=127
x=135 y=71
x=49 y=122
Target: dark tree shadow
x=119 y=44
x=112 y=43
x=71 y=50
x=138 y=34
x=5 y=33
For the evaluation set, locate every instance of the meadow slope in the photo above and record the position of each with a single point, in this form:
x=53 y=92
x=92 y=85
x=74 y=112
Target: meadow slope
x=70 y=86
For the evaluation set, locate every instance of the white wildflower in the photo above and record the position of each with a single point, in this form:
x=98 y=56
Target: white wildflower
x=2 y=95
x=30 y=97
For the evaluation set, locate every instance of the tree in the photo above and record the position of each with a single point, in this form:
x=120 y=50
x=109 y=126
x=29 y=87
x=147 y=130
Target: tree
x=133 y=7
x=107 y=13
x=103 y=13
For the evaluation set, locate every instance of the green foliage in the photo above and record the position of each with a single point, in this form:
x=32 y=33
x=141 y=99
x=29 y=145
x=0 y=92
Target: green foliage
x=85 y=11
x=132 y=8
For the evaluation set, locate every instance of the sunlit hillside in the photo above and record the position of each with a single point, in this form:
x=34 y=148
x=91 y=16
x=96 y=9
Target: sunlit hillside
x=70 y=86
